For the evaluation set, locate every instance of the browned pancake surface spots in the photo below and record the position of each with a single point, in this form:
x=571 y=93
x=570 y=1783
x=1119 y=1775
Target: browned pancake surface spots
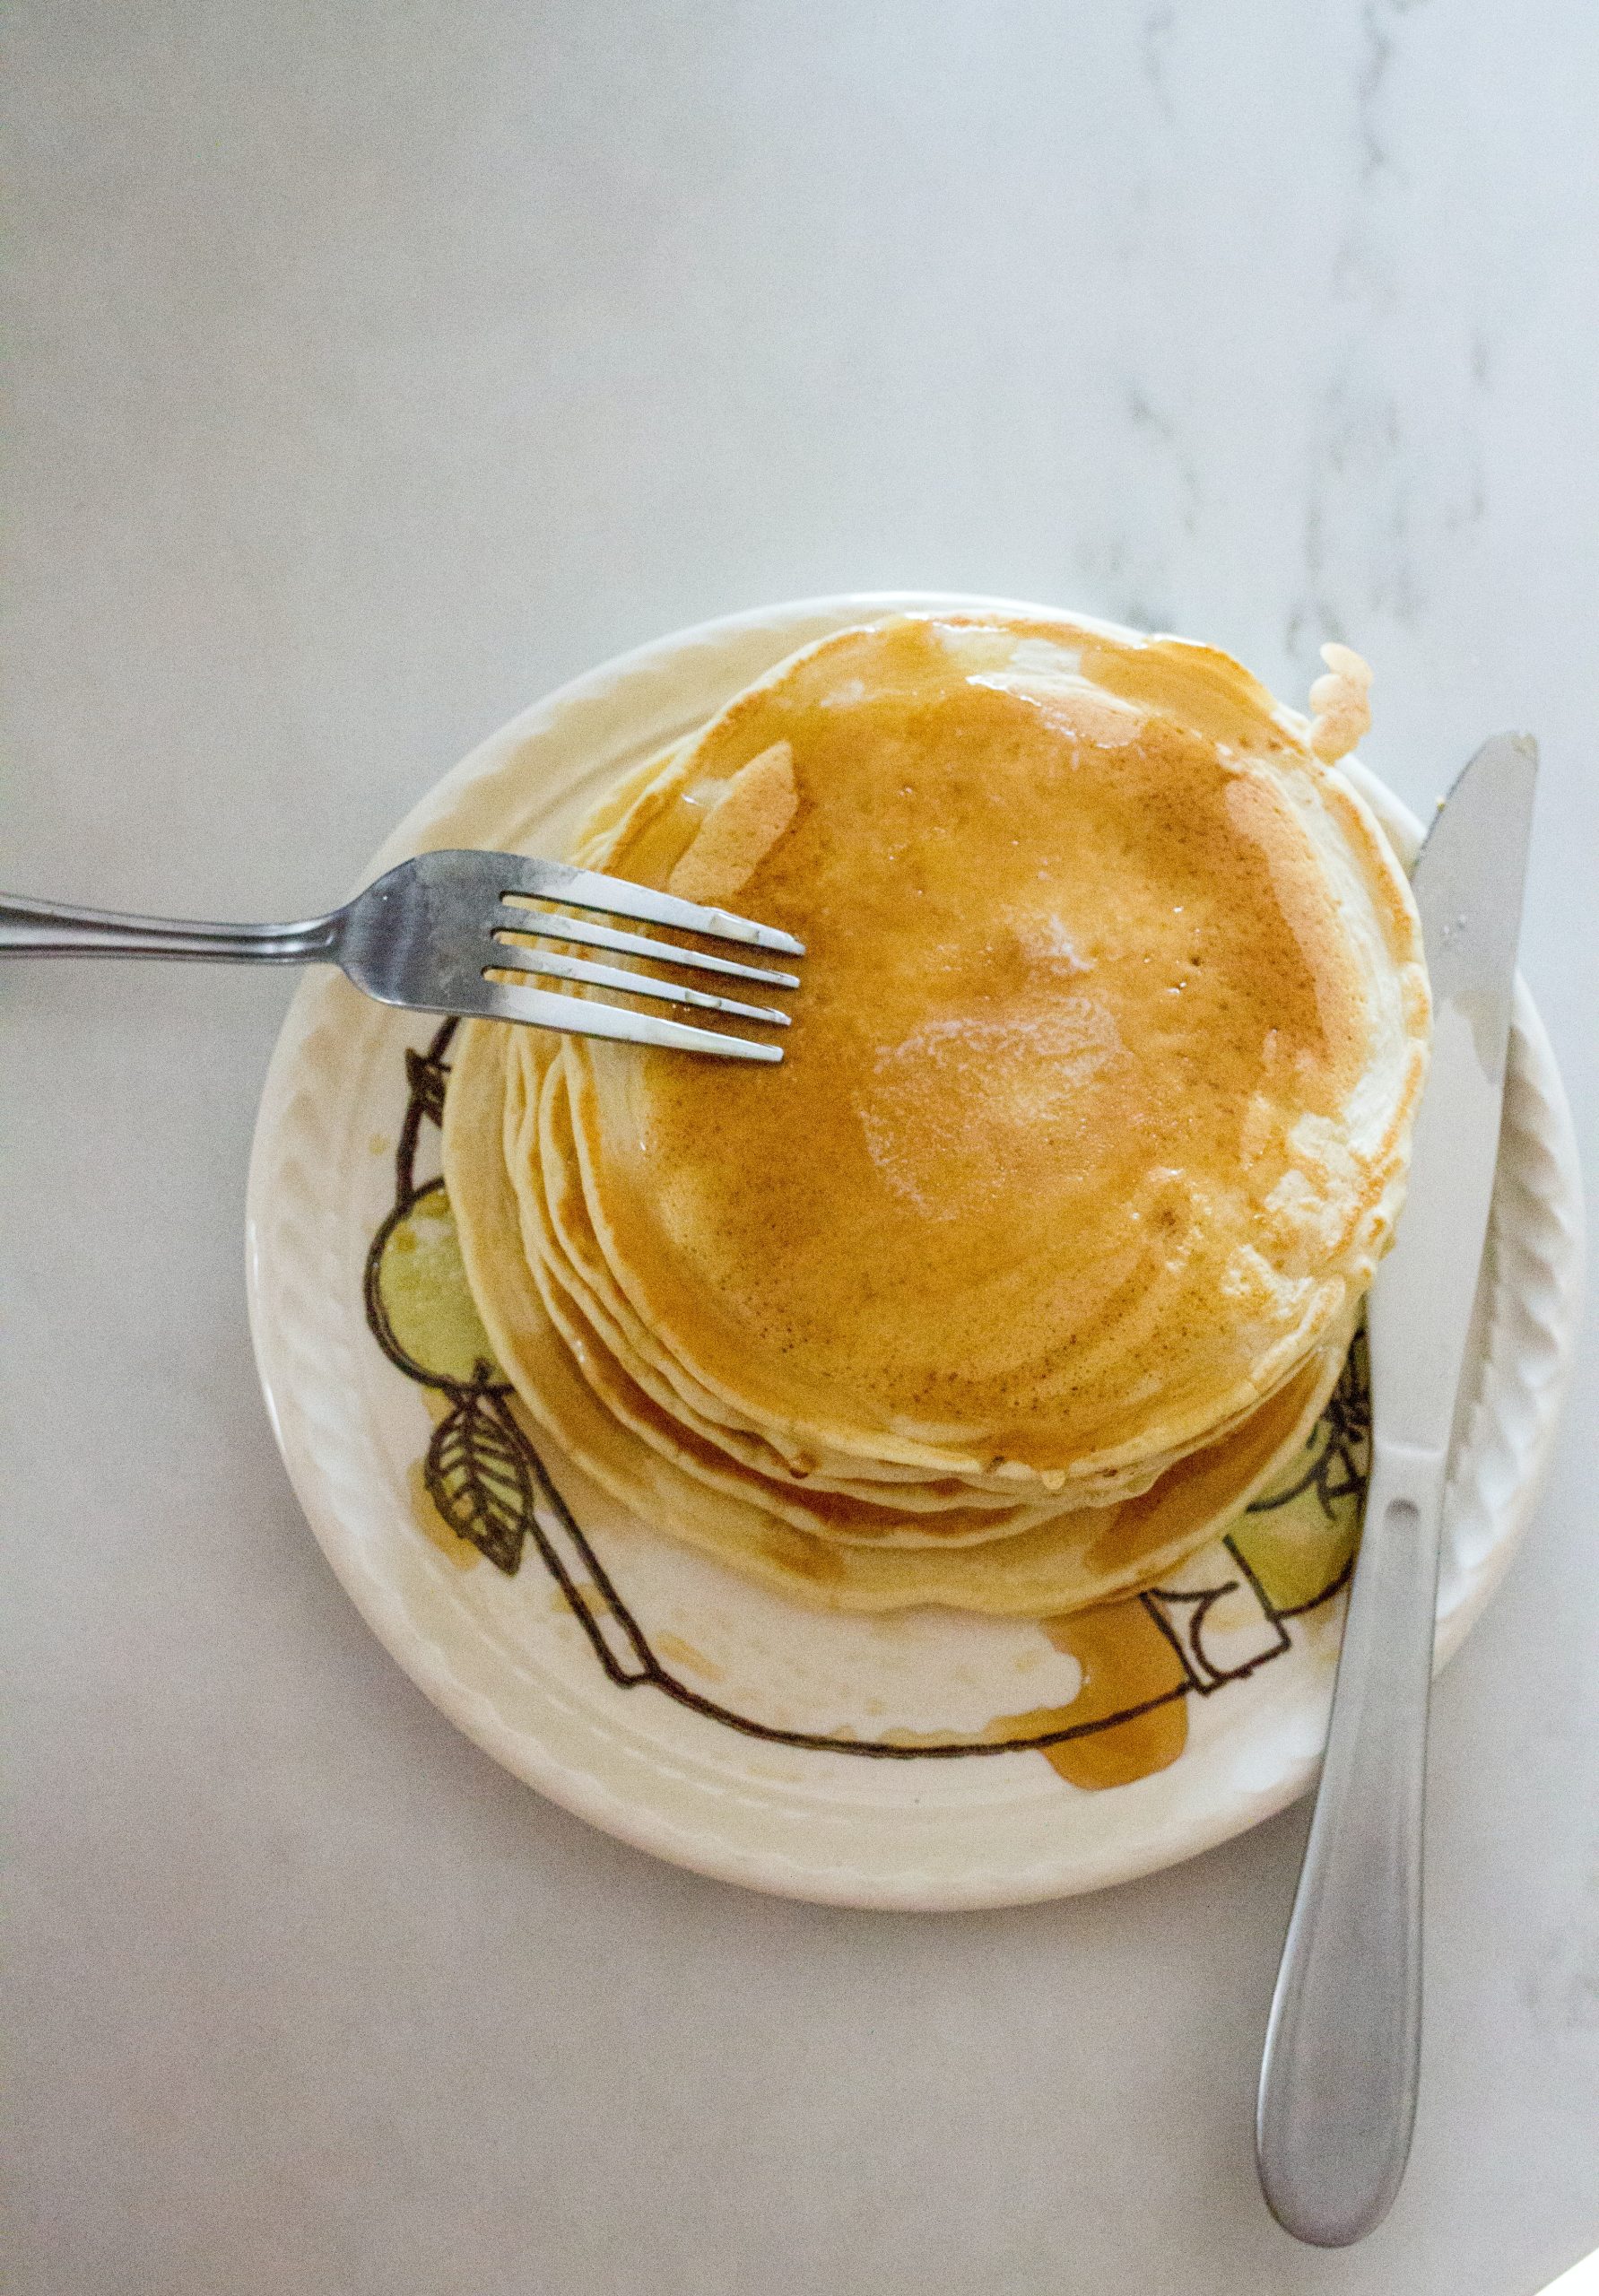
x=1073 y=977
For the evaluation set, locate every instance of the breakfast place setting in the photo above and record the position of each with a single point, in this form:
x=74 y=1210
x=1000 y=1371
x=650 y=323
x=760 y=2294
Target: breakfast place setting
x=941 y=1438
x=798 y=1473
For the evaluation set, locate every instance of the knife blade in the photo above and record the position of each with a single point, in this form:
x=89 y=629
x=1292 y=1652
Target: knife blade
x=1339 y=2077
x=1468 y=887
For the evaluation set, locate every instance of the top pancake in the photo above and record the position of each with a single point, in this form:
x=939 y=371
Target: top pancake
x=1095 y=1112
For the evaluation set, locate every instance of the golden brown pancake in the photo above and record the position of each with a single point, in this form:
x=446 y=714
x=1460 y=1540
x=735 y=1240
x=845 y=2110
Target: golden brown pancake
x=1039 y=1254
x=1074 y=1558
x=1094 y=1118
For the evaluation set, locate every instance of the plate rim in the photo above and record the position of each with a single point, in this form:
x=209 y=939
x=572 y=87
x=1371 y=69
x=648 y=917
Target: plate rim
x=592 y=1797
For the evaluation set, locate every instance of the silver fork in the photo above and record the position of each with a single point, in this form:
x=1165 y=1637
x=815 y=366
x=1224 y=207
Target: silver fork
x=432 y=934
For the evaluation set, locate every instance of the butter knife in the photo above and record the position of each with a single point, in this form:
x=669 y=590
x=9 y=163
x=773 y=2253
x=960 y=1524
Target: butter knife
x=1338 y=2084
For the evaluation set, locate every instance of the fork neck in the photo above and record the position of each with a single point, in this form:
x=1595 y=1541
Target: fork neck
x=46 y=928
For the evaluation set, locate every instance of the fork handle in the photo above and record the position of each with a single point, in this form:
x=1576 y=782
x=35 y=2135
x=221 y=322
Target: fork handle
x=53 y=928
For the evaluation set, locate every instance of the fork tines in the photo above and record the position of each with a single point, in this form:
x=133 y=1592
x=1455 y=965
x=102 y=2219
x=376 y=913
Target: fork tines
x=526 y=881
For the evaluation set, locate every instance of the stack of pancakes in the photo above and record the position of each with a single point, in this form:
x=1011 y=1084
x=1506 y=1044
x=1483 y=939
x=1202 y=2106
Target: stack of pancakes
x=1043 y=1249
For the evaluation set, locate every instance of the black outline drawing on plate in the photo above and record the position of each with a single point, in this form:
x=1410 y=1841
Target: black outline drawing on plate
x=491 y=1487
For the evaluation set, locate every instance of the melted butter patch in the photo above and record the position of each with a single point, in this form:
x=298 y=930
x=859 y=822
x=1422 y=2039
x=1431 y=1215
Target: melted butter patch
x=753 y=811
x=1008 y=1077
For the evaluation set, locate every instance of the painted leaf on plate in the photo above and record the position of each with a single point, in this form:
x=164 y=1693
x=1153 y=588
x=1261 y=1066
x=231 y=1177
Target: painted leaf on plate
x=477 y=1477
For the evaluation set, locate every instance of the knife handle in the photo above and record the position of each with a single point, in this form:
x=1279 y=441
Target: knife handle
x=1338 y=2082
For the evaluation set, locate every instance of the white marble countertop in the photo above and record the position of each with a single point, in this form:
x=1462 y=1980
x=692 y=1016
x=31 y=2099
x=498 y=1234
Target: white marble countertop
x=373 y=367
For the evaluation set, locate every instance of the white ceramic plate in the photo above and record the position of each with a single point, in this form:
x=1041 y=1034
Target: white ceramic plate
x=929 y=1760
